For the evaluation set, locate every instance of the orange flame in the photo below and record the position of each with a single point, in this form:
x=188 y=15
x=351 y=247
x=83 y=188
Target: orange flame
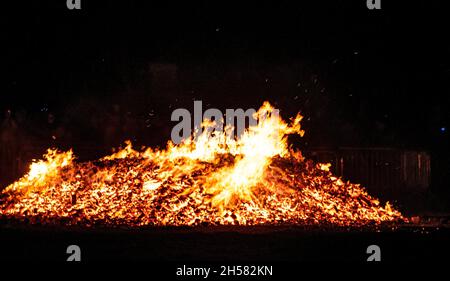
x=214 y=179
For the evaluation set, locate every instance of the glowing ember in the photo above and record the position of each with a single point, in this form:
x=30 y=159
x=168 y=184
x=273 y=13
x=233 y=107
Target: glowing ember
x=215 y=179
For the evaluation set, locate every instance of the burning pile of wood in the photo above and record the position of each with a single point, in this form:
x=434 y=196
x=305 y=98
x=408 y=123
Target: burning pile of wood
x=253 y=181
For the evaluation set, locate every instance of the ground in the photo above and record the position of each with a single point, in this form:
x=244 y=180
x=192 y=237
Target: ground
x=225 y=244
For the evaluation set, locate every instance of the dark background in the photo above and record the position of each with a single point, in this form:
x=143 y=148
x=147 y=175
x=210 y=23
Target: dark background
x=116 y=70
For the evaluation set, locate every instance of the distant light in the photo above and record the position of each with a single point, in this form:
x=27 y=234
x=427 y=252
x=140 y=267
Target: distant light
x=443 y=129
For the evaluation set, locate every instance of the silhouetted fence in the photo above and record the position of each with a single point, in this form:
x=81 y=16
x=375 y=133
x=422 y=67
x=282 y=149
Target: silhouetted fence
x=381 y=169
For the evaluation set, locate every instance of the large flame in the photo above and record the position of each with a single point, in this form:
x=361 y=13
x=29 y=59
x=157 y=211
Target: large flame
x=212 y=179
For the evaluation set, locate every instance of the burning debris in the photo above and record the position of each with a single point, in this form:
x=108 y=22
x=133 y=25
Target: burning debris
x=213 y=180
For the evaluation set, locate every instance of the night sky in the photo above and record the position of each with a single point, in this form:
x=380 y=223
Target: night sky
x=379 y=77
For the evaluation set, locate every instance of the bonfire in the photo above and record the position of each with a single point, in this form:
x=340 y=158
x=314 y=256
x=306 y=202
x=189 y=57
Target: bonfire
x=211 y=179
